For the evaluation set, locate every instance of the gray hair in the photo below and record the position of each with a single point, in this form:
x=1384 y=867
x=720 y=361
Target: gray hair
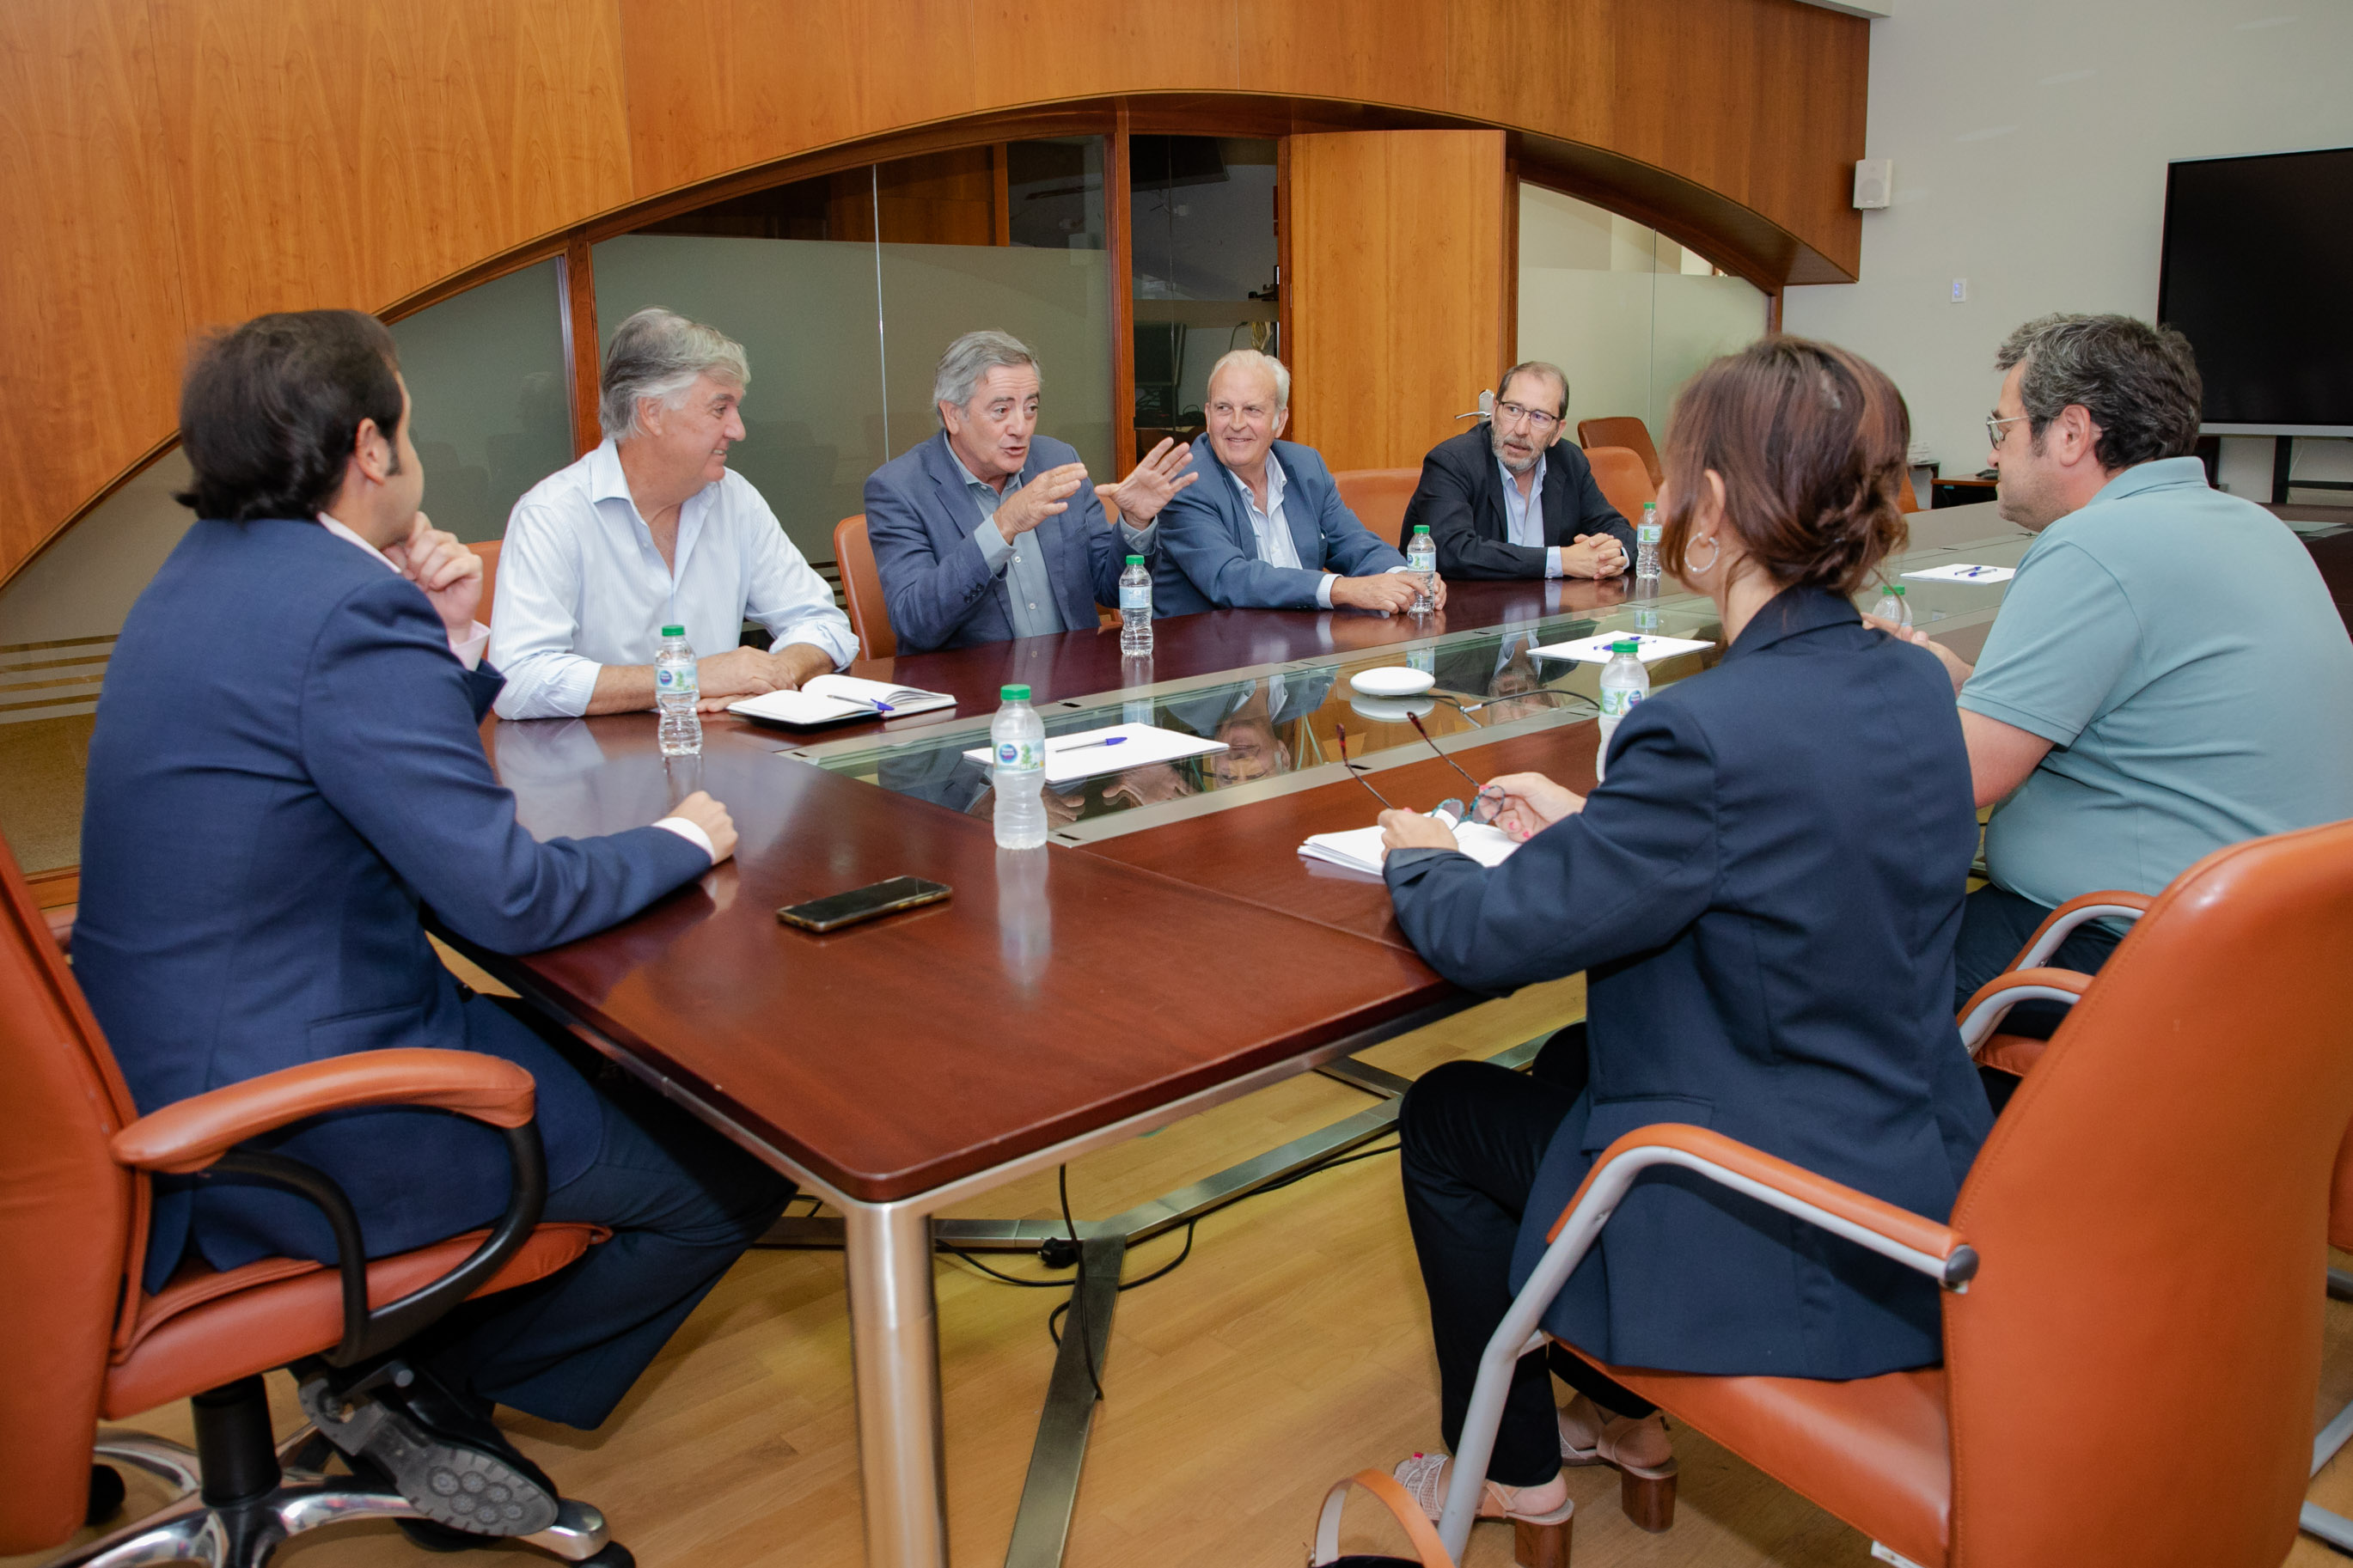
x=2138 y=383
x=973 y=356
x=1265 y=365
x=1537 y=367
x=660 y=353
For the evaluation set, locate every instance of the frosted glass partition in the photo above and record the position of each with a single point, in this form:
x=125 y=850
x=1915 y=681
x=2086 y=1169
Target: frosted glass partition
x=804 y=311
x=1629 y=314
x=487 y=380
x=1053 y=300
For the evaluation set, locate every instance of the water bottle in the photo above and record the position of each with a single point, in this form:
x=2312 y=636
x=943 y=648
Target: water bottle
x=1421 y=560
x=1624 y=682
x=1134 y=608
x=677 y=687
x=1016 y=740
x=1891 y=608
x=1646 y=549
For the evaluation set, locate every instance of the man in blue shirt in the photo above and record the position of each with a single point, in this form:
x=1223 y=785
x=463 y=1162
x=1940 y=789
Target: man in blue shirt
x=2169 y=674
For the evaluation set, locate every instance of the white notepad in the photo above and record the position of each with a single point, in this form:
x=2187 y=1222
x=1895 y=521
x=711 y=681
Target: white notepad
x=1959 y=572
x=1083 y=756
x=1649 y=648
x=829 y=699
x=1359 y=848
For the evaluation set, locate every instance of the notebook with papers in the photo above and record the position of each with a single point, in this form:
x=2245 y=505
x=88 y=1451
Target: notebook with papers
x=1115 y=748
x=830 y=698
x=1359 y=848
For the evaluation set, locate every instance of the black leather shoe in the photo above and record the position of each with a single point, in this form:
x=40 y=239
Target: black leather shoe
x=442 y=1454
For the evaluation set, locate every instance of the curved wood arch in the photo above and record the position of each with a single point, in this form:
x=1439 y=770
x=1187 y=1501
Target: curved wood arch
x=174 y=163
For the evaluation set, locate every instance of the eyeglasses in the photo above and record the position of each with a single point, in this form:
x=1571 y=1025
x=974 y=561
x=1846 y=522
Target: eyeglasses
x=1993 y=428
x=1518 y=413
x=1486 y=804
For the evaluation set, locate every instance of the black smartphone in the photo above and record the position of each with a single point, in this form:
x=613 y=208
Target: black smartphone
x=838 y=909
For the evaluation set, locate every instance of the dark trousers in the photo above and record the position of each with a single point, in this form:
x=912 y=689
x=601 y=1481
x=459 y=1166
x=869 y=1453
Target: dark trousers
x=1995 y=923
x=682 y=1203
x=1471 y=1138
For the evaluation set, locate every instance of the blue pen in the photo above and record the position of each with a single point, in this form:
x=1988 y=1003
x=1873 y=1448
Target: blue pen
x=1083 y=745
x=878 y=706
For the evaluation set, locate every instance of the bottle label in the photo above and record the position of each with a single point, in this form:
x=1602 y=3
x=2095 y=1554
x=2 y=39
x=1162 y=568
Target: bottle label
x=677 y=680
x=1616 y=702
x=1135 y=598
x=1021 y=756
x=1647 y=532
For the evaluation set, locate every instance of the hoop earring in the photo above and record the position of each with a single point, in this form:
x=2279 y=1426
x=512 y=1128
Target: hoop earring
x=1715 y=551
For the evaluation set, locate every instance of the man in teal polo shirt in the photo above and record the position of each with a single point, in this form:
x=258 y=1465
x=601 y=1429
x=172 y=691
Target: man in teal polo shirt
x=2167 y=675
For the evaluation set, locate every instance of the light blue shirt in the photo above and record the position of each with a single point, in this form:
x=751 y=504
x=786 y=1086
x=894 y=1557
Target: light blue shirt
x=1523 y=521
x=1275 y=545
x=581 y=585
x=1023 y=565
x=2179 y=650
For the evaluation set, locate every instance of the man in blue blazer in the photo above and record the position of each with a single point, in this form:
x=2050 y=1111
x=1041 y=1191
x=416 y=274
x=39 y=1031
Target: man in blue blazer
x=286 y=766
x=972 y=532
x=1268 y=532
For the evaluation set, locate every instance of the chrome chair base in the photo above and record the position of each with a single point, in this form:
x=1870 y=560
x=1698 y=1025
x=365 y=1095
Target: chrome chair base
x=246 y=1534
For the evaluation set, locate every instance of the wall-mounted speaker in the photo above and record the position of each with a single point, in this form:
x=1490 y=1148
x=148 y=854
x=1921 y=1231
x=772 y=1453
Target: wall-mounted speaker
x=1874 y=178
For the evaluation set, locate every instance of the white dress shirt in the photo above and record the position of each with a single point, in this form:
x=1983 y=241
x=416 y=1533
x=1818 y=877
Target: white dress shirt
x=468 y=650
x=1523 y=515
x=582 y=584
x=1275 y=545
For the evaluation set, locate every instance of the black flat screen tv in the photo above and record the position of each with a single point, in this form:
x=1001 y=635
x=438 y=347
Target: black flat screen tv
x=2258 y=273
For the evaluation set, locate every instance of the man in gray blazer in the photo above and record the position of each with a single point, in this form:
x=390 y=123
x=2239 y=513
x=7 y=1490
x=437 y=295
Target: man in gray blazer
x=1268 y=532
x=989 y=531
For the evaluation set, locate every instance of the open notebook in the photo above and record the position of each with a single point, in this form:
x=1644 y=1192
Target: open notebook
x=1114 y=749
x=1359 y=848
x=829 y=699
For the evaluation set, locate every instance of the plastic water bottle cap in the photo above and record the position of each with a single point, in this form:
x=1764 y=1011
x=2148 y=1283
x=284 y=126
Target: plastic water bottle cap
x=1013 y=694
x=1896 y=589
x=1135 y=561
x=1625 y=645
x=673 y=631
x=1421 y=528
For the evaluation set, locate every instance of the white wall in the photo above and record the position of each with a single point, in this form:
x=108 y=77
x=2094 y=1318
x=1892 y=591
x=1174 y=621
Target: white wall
x=2030 y=139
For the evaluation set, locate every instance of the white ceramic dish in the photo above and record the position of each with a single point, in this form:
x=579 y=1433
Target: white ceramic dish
x=1393 y=681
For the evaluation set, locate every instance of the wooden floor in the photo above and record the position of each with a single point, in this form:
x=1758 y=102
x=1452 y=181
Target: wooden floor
x=1290 y=1350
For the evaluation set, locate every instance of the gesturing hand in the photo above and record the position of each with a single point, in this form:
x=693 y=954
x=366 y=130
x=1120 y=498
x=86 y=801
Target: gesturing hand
x=1139 y=496
x=1041 y=499
x=1532 y=803
x=450 y=574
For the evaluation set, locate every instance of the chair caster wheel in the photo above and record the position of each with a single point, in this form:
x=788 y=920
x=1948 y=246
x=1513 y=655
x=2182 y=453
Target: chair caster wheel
x=105 y=1494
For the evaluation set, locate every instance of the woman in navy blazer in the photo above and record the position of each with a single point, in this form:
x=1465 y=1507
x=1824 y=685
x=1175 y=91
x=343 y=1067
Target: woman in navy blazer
x=1764 y=895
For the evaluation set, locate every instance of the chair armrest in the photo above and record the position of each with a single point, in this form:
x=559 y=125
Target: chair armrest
x=194 y=1132
x=1997 y=997
x=1934 y=1249
x=2061 y=923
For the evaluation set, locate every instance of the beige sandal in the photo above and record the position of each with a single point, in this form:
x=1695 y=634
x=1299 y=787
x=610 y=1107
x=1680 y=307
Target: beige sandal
x=1540 y=1540
x=1646 y=1491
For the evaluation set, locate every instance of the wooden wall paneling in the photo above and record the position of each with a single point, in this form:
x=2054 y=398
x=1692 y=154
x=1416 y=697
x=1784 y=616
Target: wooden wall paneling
x=1024 y=50
x=1550 y=69
x=1284 y=284
x=1393 y=52
x=582 y=345
x=1121 y=238
x=91 y=306
x=1000 y=194
x=1396 y=246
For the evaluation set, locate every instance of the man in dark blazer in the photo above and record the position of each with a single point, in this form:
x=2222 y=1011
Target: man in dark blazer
x=972 y=531
x=1269 y=531
x=286 y=766
x=1509 y=498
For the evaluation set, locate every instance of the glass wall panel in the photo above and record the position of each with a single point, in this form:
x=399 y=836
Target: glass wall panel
x=1203 y=211
x=804 y=311
x=1629 y=313
x=490 y=387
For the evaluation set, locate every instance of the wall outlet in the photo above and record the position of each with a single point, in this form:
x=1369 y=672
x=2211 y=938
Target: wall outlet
x=1960 y=291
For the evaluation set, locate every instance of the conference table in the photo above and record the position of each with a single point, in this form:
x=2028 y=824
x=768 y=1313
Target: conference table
x=1054 y=1003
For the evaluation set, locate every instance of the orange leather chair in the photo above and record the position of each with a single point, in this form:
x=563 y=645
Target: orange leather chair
x=1906 y=498
x=2132 y=1251
x=1627 y=431
x=861 y=589
x=1378 y=497
x=489 y=553
x=80 y=1340
x=1619 y=471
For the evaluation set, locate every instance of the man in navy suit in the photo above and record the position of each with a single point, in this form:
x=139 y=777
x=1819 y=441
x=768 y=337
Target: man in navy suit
x=1509 y=498
x=967 y=554
x=1268 y=532
x=286 y=766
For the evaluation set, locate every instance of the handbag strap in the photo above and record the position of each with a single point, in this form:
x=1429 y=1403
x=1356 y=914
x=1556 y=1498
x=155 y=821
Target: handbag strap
x=1398 y=1501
